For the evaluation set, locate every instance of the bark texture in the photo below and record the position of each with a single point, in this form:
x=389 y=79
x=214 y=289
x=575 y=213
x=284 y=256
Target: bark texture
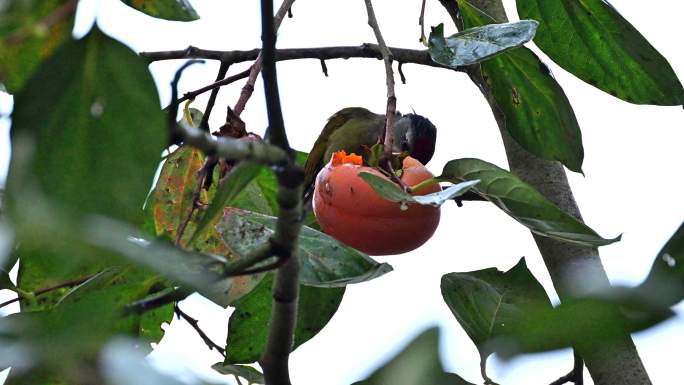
x=574 y=270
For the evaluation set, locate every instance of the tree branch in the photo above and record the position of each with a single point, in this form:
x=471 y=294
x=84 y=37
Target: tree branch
x=195 y=325
x=157 y=300
x=576 y=375
x=389 y=79
x=275 y=358
x=421 y=22
x=366 y=50
x=233 y=149
x=248 y=88
x=571 y=266
x=193 y=94
x=223 y=70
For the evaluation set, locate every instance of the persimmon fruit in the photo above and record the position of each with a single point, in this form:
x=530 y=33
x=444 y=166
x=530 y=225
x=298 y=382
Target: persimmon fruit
x=349 y=210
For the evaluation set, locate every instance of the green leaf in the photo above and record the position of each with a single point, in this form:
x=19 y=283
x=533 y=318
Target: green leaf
x=176 y=10
x=391 y=192
x=170 y=204
x=418 y=363
x=665 y=282
x=250 y=374
x=594 y=42
x=248 y=325
x=29 y=34
x=201 y=272
x=538 y=115
x=522 y=202
x=237 y=179
x=97 y=131
x=385 y=188
x=325 y=262
x=589 y=323
x=92 y=140
x=76 y=328
x=479 y=43
x=489 y=303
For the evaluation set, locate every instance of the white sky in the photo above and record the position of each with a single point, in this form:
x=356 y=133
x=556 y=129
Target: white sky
x=633 y=182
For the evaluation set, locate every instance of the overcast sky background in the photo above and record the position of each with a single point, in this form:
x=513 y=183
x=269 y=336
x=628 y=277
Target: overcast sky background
x=633 y=183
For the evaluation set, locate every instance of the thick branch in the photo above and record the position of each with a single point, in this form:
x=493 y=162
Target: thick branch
x=389 y=78
x=574 y=269
x=275 y=358
x=233 y=149
x=366 y=50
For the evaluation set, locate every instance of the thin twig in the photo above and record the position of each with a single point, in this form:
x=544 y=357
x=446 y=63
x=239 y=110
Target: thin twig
x=71 y=283
x=157 y=300
x=421 y=22
x=195 y=325
x=223 y=70
x=248 y=88
x=389 y=75
x=576 y=375
x=195 y=204
x=173 y=107
x=401 y=73
x=193 y=94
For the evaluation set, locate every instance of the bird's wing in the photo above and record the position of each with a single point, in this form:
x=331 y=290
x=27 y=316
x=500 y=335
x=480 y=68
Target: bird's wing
x=315 y=161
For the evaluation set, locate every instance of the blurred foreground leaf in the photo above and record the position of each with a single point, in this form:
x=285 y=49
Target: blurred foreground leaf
x=665 y=282
x=87 y=132
x=251 y=375
x=418 y=363
x=30 y=32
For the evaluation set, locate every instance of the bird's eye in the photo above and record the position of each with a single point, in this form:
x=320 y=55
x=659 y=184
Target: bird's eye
x=404 y=145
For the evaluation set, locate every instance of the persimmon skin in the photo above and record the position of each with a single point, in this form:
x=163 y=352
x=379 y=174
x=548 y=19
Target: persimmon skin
x=349 y=210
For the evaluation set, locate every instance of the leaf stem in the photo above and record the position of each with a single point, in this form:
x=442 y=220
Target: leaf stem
x=23 y=294
x=423 y=184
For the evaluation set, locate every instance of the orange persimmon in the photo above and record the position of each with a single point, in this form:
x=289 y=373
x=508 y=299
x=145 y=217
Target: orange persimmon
x=349 y=210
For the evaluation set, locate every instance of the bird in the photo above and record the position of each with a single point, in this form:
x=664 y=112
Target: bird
x=354 y=129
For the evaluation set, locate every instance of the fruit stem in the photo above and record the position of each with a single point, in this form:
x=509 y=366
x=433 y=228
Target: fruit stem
x=423 y=184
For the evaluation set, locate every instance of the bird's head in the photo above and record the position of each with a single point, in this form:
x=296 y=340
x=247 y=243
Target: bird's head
x=416 y=135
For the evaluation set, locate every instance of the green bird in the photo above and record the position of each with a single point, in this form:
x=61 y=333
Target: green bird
x=353 y=129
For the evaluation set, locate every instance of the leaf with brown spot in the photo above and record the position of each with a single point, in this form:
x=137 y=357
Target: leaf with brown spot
x=172 y=201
